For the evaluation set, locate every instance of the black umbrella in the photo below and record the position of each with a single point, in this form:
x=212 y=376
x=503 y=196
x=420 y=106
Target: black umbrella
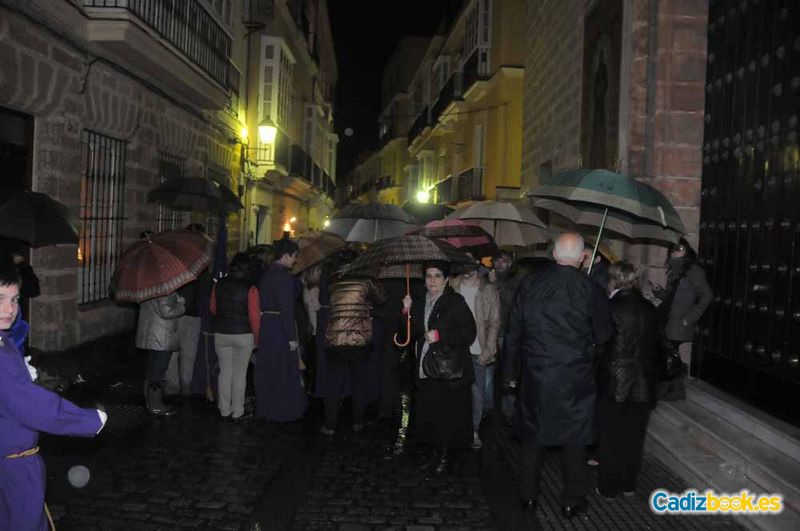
x=37 y=220
x=427 y=212
x=195 y=194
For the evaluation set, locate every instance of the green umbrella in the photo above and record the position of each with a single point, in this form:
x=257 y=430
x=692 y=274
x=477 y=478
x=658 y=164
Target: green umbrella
x=609 y=191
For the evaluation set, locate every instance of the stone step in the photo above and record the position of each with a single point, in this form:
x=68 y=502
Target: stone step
x=774 y=432
x=669 y=440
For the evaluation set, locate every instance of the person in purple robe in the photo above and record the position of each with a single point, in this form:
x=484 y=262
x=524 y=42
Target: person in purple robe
x=280 y=395
x=25 y=410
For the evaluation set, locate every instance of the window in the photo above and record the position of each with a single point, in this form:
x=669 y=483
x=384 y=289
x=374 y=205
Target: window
x=479 y=149
x=101 y=214
x=275 y=88
x=169 y=167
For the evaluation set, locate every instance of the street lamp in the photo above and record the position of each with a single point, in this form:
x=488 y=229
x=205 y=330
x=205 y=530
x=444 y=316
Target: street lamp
x=423 y=196
x=267 y=131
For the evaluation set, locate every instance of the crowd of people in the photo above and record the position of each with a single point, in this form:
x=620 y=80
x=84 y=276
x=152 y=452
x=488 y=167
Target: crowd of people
x=571 y=360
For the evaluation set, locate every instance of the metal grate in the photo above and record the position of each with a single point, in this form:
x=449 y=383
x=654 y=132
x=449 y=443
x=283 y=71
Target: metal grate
x=170 y=166
x=101 y=213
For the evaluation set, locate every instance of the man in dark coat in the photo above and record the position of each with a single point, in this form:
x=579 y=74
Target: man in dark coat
x=556 y=320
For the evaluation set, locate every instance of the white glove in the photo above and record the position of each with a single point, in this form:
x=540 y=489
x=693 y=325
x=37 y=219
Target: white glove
x=293 y=345
x=31 y=369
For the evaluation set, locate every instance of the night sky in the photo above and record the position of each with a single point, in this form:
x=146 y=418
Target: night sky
x=365 y=33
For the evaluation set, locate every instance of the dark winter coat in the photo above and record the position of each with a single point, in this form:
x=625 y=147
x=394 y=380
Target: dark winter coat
x=351 y=304
x=452 y=318
x=556 y=320
x=628 y=370
x=688 y=303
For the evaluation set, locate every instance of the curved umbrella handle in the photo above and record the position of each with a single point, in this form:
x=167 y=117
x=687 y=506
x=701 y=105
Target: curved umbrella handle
x=408 y=334
x=408 y=316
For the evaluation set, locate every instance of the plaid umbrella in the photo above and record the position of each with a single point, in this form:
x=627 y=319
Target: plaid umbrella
x=157 y=266
x=509 y=223
x=36 y=219
x=383 y=259
x=370 y=222
x=462 y=235
x=316 y=247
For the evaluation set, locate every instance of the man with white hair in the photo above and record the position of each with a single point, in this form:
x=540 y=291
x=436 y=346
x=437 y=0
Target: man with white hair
x=556 y=320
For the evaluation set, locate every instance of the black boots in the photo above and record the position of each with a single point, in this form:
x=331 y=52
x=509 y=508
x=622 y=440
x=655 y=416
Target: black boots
x=154 y=400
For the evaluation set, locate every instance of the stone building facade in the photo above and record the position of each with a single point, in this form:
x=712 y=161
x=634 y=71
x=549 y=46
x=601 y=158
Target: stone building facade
x=656 y=53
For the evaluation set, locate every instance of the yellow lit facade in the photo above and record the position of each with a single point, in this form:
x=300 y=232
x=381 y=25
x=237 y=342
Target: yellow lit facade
x=465 y=137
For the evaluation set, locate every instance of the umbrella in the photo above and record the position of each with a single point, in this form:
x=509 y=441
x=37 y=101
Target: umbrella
x=316 y=247
x=613 y=193
x=427 y=212
x=509 y=223
x=462 y=235
x=383 y=258
x=36 y=219
x=370 y=222
x=196 y=194
x=157 y=266
x=618 y=222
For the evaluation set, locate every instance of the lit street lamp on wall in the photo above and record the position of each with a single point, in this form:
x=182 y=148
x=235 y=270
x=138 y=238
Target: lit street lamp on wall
x=423 y=196
x=267 y=131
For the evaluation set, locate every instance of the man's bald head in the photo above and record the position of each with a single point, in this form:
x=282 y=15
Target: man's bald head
x=569 y=249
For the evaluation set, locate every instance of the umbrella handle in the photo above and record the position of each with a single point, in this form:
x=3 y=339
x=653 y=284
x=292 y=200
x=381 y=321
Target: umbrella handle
x=408 y=317
x=408 y=334
x=597 y=242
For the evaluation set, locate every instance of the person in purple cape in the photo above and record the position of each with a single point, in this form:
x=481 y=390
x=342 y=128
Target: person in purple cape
x=279 y=382
x=25 y=410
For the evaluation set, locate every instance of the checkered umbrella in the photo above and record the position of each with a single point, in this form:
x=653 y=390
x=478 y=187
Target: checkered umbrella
x=157 y=266
x=386 y=258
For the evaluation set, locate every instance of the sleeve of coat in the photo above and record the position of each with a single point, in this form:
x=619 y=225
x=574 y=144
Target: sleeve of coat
x=38 y=409
x=602 y=322
x=169 y=307
x=254 y=312
x=493 y=316
x=459 y=325
x=286 y=295
x=697 y=277
x=512 y=343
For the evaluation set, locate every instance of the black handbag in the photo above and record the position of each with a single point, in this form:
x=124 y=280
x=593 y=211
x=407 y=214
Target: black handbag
x=443 y=363
x=674 y=367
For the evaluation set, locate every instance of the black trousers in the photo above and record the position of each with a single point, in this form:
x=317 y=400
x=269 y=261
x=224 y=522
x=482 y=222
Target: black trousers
x=620 y=440
x=157 y=364
x=343 y=374
x=574 y=470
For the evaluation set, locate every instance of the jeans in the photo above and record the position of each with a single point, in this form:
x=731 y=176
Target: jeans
x=233 y=352
x=157 y=363
x=482 y=392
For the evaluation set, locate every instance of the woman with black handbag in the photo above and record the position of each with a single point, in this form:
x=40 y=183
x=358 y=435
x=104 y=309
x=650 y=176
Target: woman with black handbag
x=442 y=331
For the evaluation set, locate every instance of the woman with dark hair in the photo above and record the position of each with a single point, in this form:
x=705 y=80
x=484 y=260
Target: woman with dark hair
x=442 y=331
x=627 y=382
x=684 y=300
x=234 y=302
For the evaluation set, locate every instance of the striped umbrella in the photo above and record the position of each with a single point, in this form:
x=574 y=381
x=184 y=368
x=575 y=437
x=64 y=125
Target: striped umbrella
x=157 y=266
x=509 y=223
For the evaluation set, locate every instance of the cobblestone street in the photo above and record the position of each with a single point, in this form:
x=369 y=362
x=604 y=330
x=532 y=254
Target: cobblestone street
x=195 y=471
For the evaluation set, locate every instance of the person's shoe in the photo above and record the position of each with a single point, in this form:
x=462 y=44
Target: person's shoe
x=571 y=511
x=477 y=443
x=529 y=504
x=629 y=493
x=324 y=430
x=593 y=462
x=241 y=418
x=155 y=402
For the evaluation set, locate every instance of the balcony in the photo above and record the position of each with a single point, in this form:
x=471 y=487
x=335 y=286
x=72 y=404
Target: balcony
x=136 y=33
x=476 y=68
x=444 y=191
x=418 y=126
x=303 y=167
x=469 y=186
x=450 y=92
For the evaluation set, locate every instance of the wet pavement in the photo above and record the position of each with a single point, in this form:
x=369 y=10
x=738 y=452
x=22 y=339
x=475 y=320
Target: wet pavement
x=197 y=471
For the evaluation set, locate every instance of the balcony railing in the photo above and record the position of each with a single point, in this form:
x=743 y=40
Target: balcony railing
x=469 y=185
x=187 y=26
x=444 y=191
x=449 y=93
x=302 y=166
x=418 y=126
